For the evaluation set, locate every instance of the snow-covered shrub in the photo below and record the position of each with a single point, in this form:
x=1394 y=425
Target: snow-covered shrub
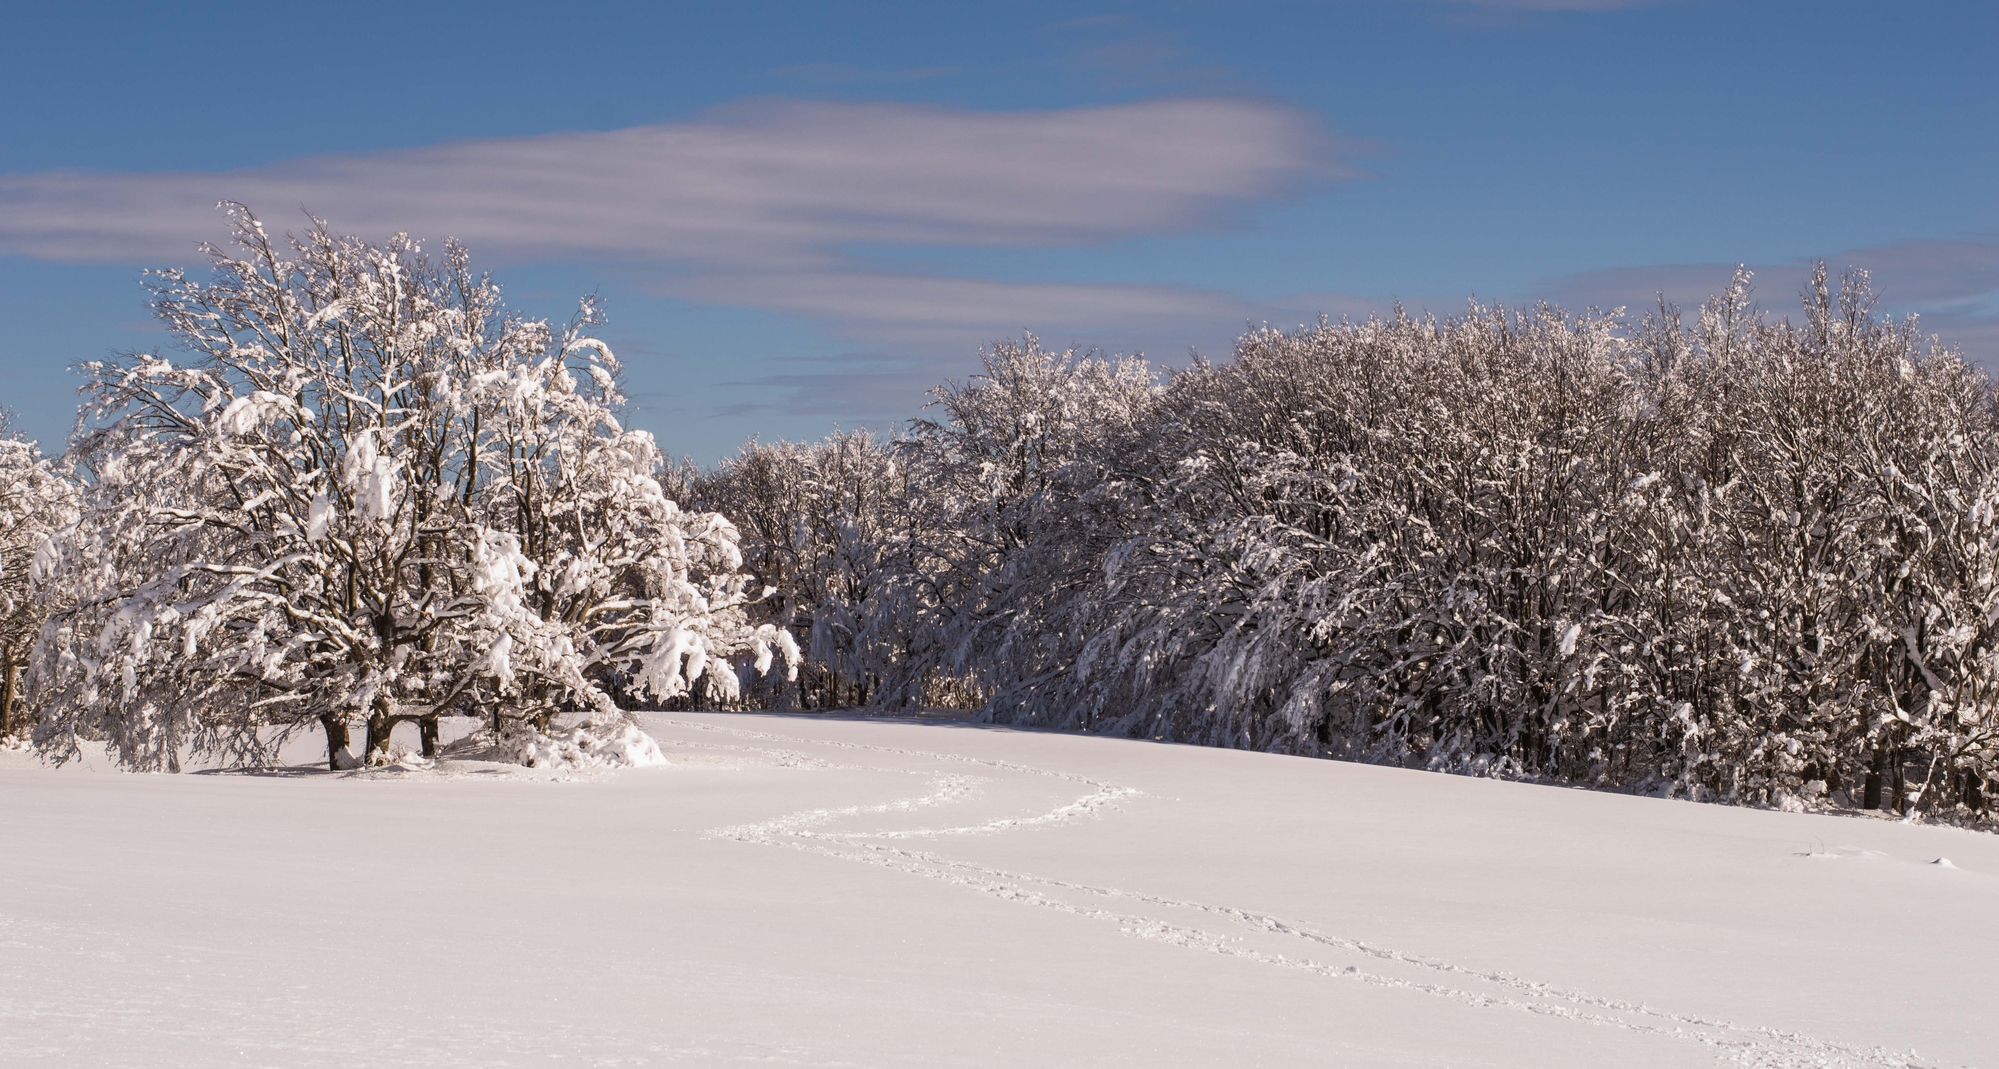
x=1001 y=481
x=1352 y=539
x=368 y=492
x=1743 y=558
x=37 y=500
x=909 y=569
x=1836 y=623
x=596 y=744
x=827 y=526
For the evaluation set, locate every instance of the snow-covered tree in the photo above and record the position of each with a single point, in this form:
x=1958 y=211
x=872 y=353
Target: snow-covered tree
x=1341 y=542
x=1001 y=480
x=1845 y=556
x=37 y=500
x=369 y=492
x=900 y=564
x=828 y=526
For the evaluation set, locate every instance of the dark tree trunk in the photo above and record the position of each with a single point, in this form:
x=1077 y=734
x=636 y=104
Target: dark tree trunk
x=336 y=740
x=380 y=726
x=1871 y=795
x=1974 y=791
x=426 y=727
x=1897 y=782
x=8 y=671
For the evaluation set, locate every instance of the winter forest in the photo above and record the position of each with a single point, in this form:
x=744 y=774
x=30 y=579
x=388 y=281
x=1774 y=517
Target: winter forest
x=1723 y=553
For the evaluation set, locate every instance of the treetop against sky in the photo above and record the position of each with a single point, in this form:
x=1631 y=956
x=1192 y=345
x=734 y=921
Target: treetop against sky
x=802 y=215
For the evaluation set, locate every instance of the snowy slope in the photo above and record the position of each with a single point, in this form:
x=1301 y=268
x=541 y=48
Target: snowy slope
x=816 y=891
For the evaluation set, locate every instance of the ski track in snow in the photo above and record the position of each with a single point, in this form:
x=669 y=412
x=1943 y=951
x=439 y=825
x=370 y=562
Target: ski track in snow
x=1149 y=916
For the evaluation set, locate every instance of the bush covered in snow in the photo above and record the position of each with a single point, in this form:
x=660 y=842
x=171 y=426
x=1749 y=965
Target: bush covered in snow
x=595 y=744
x=896 y=562
x=829 y=525
x=1738 y=558
x=37 y=500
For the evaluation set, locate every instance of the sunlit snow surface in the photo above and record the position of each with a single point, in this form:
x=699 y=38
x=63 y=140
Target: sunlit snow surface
x=810 y=891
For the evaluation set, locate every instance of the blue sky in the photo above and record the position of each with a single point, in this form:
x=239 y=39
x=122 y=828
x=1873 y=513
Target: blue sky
x=807 y=214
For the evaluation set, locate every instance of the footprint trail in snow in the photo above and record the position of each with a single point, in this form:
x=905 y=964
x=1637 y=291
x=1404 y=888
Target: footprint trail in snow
x=1209 y=927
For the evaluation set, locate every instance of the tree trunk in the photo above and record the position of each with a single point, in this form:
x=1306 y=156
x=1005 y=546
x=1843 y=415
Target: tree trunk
x=1974 y=791
x=426 y=727
x=380 y=727
x=7 y=674
x=1871 y=796
x=336 y=741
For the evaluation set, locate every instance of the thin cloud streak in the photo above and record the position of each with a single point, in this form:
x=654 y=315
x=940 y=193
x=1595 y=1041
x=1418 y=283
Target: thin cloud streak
x=922 y=330
x=1558 y=5
x=877 y=394
x=1952 y=284
x=1913 y=274
x=849 y=74
x=1497 y=14
x=777 y=185
x=921 y=310
x=773 y=206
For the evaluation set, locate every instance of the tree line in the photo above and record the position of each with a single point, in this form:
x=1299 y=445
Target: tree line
x=1722 y=556
x=1726 y=555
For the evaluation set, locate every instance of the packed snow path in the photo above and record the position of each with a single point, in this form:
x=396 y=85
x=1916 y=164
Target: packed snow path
x=845 y=892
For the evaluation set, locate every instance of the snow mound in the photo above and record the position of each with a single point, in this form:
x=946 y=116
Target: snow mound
x=588 y=747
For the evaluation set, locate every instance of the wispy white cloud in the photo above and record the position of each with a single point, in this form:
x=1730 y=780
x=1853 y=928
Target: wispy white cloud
x=873 y=390
x=918 y=328
x=1557 y=5
x=768 y=186
x=850 y=74
x=1488 y=14
x=775 y=205
x=1912 y=274
x=1953 y=284
x=1120 y=51
x=920 y=311
x=916 y=331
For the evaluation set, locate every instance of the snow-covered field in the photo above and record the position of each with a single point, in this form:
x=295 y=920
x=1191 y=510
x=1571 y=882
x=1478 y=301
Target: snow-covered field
x=821 y=891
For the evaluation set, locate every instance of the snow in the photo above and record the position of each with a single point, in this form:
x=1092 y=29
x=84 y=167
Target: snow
x=588 y=747
x=830 y=891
